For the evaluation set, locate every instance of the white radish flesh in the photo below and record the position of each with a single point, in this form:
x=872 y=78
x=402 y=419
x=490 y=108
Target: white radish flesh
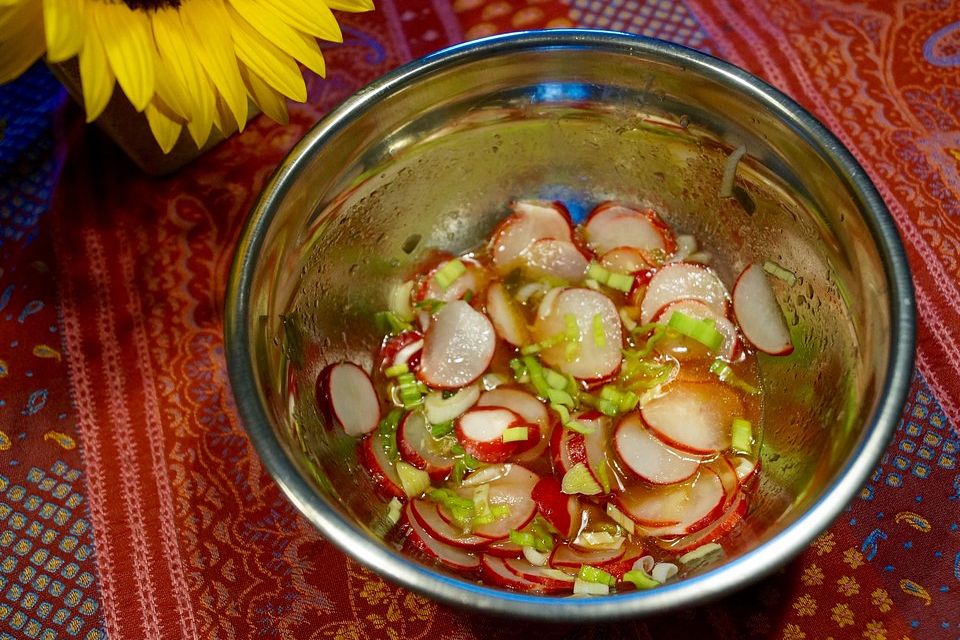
x=439 y=409
x=495 y=571
x=683 y=281
x=613 y=225
x=474 y=280
x=352 y=398
x=529 y=408
x=514 y=492
x=758 y=313
x=531 y=221
x=453 y=557
x=565 y=555
x=694 y=505
x=558 y=259
x=592 y=358
x=374 y=458
x=694 y=416
x=480 y=431
x=596 y=446
x=698 y=311
x=427 y=514
x=418 y=447
x=644 y=455
x=553 y=581
x=457 y=347
x=624 y=260
x=723 y=525
x=506 y=317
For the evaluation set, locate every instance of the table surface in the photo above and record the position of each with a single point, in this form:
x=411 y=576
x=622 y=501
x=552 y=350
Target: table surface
x=131 y=503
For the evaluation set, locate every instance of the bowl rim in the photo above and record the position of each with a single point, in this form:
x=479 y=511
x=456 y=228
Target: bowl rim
x=733 y=575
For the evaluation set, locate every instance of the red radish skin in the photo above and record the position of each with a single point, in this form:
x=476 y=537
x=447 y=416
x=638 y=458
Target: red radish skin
x=557 y=508
x=626 y=260
x=507 y=319
x=758 y=313
x=611 y=225
x=596 y=447
x=683 y=281
x=565 y=555
x=480 y=431
x=703 y=502
x=505 y=549
x=617 y=568
x=558 y=259
x=646 y=457
x=495 y=571
x=475 y=280
x=453 y=557
x=690 y=349
x=457 y=347
x=695 y=417
x=372 y=456
x=531 y=221
x=347 y=397
x=567 y=449
x=592 y=360
x=540 y=575
x=398 y=346
x=427 y=514
x=726 y=523
x=514 y=491
x=413 y=441
x=529 y=408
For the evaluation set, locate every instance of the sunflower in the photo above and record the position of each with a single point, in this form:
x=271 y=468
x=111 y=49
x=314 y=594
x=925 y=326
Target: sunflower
x=183 y=63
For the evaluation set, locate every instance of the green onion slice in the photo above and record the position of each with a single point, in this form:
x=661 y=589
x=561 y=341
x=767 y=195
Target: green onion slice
x=703 y=331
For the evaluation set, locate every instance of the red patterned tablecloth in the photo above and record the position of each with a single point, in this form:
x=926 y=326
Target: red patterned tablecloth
x=131 y=503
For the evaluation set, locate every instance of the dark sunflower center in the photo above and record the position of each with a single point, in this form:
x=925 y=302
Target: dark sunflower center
x=150 y=5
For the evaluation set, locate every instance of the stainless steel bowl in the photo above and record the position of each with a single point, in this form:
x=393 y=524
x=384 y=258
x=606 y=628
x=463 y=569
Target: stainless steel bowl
x=429 y=156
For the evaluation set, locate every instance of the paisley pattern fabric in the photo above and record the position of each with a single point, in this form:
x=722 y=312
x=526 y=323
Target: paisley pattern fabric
x=131 y=502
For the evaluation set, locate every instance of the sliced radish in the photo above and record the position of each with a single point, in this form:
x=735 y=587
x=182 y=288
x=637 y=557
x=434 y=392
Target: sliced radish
x=728 y=478
x=480 y=431
x=620 y=566
x=553 y=580
x=438 y=409
x=612 y=225
x=531 y=221
x=698 y=311
x=593 y=357
x=495 y=571
x=505 y=549
x=746 y=469
x=567 y=448
x=453 y=557
x=644 y=455
x=689 y=506
x=529 y=408
x=374 y=458
x=683 y=281
x=552 y=258
x=506 y=317
x=427 y=514
x=596 y=445
x=418 y=447
x=694 y=416
x=557 y=508
x=475 y=279
x=756 y=309
x=565 y=555
x=726 y=523
x=347 y=397
x=457 y=348
x=625 y=260
x=514 y=490
x=403 y=348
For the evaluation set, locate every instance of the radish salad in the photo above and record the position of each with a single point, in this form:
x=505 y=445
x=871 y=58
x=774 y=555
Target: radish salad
x=569 y=409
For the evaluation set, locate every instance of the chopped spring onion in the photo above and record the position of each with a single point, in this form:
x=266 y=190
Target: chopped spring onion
x=730 y=170
x=554 y=379
x=598 y=273
x=481 y=505
x=610 y=392
x=396 y=370
x=393 y=510
x=388 y=322
x=441 y=406
x=535 y=370
x=430 y=305
x=627 y=321
x=640 y=580
x=579 y=480
x=599 y=540
x=620 y=282
x=599 y=576
x=579 y=427
x=571 y=336
x=399 y=301
x=599 y=337
x=604 y=476
x=523 y=538
x=779 y=272
x=448 y=273
x=703 y=331
x=414 y=481
x=606 y=407
x=543 y=532
x=584 y=588
x=558 y=396
x=620 y=518
x=701 y=556
x=442 y=429
x=628 y=401
x=663 y=571
x=491 y=381
x=723 y=371
x=519 y=370
x=387 y=430
x=742 y=436
x=534 y=557
x=515 y=434
x=656 y=330
x=461 y=509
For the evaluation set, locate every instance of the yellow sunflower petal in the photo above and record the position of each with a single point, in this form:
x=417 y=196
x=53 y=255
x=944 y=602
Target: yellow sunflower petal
x=281 y=34
x=168 y=92
x=273 y=66
x=128 y=42
x=223 y=118
x=96 y=78
x=352 y=6
x=309 y=16
x=188 y=80
x=270 y=101
x=63 y=25
x=165 y=129
x=13 y=20
x=208 y=27
x=20 y=48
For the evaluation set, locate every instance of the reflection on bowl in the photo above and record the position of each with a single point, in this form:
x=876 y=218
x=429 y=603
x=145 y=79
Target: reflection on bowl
x=429 y=157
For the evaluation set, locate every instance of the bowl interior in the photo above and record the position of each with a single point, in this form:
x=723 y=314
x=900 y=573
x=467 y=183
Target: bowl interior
x=432 y=161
